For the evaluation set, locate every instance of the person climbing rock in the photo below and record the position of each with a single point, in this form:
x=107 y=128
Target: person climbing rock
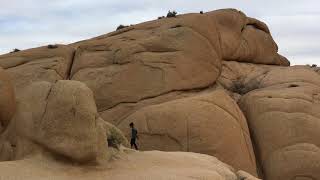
x=134 y=136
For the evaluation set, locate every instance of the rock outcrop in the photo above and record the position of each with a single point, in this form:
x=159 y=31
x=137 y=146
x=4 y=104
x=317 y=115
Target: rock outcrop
x=209 y=123
x=7 y=100
x=209 y=83
x=134 y=166
x=38 y=64
x=60 y=118
x=283 y=115
x=246 y=39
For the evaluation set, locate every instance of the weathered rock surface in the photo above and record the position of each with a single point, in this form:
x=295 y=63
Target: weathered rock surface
x=7 y=100
x=210 y=123
x=299 y=161
x=246 y=39
x=172 y=54
x=61 y=118
x=38 y=64
x=166 y=76
x=147 y=61
x=154 y=165
x=284 y=121
x=242 y=78
x=242 y=175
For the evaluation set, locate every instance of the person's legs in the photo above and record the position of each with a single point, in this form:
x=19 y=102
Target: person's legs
x=132 y=143
x=135 y=146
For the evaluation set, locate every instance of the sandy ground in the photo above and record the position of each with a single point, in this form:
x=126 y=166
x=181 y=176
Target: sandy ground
x=153 y=165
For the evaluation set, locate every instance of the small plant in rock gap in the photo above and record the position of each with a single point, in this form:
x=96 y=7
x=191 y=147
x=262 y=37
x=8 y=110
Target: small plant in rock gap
x=52 y=46
x=121 y=27
x=171 y=14
x=15 y=50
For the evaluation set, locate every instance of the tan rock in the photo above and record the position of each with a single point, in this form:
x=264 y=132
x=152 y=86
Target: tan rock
x=121 y=111
x=62 y=118
x=154 y=165
x=298 y=162
x=281 y=116
x=290 y=75
x=242 y=78
x=246 y=39
x=6 y=151
x=210 y=123
x=7 y=100
x=242 y=175
x=155 y=62
x=172 y=54
x=154 y=74
x=38 y=64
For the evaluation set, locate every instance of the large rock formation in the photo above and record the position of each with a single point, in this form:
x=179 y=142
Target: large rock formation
x=245 y=39
x=209 y=123
x=179 y=79
x=7 y=100
x=153 y=165
x=61 y=118
x=284 y=120
x=38 y=64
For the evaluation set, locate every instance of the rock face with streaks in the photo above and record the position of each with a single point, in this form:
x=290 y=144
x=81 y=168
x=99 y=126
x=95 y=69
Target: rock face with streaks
x=209 y=123
x=209 y=83
x=7 y=100
x=38 y=64
x=283 y=115
x=61 y=118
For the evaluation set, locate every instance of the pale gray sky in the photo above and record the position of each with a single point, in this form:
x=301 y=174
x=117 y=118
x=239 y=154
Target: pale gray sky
x=30 y=23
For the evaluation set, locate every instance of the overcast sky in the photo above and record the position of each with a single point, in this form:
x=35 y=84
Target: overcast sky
x=295 y=24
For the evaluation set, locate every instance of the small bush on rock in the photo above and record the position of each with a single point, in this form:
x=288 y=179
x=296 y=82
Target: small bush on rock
x=172 y=14
x=115 y=137
x=121 y=27
x=238 y=87
x=201 y=12
x=52 y=46
x=15 y=50
x=243 y=88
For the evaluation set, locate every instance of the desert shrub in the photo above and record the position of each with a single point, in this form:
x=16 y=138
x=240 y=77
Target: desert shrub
x=238 y=87
x=172 y=14
x=114 y=140
x=115 y=137
x=242 y=88
x=314 y=65
x=52 y=46
x=201 y=12
x=121 y=27
x=161 y=17
x=15 y=50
